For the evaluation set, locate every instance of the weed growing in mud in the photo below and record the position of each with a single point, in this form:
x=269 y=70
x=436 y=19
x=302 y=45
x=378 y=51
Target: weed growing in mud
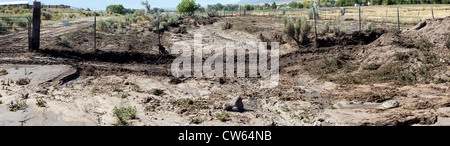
x=124 y=114
x=422 y=44
x=23 y=81
x=391 y=73
x=227 y=26
x=123 y=95
x=16 y=67
x=431 y=58
x=394 y=30
x=1 y=101
x=401 y=56
x=332 y=107
x=223 y=116
x=65 y=41
x=190 y=104
x=17 y=105
x=156 y=92
x=447 y=42
x=437 y=81
x=25 y=96
x=41 y=102
x=3 y=72
x=368 y=27
x=330 y=64
x=290 y=97
x=196 y=121
x=371 y=66
x=298 y=30
x=116 y=88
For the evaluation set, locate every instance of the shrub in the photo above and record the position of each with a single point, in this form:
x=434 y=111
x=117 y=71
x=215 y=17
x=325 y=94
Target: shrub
x=310 y=15
x=47 y=15
x=41 y=102
x=223 y=116
x=102 y=25
x=124 y=114
x=339 y=29
x=17 y=105
x=65 y=41
x=4 y=26
x=368 y=27
x=298 y=30
x=326 y=27
x=156 y=92
x=227 y=25
x=173 y=21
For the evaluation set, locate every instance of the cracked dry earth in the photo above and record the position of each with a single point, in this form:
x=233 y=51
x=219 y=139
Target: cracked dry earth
x=300 y=99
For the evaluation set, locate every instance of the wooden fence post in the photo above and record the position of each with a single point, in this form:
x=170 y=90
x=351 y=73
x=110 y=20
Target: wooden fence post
x=315 y=27
x=36 y=25
x=359 y=13
x=398 y=19
x=95 y=31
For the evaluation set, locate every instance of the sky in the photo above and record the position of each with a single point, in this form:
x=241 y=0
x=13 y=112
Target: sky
x=136 y=4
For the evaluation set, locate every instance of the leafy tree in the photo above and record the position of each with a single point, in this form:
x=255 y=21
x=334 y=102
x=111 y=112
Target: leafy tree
x=293 y=4
x=274 y=5
x=188 y=7
x=116 y=9
x=248 y=7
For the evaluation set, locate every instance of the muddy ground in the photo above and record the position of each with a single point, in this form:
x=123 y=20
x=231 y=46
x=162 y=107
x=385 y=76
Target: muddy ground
x=83 y=85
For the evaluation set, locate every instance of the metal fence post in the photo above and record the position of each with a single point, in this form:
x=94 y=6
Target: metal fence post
x=432 y=13
x=36 y=25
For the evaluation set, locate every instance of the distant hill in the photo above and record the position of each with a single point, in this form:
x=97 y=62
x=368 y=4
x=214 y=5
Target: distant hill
x=264 y=1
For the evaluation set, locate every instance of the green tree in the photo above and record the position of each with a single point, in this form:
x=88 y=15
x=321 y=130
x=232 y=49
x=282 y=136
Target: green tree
x=248 y=7
x=274 y=5
x=387 y=2
x=293 y=4
x=116 y=9
x=188 y=7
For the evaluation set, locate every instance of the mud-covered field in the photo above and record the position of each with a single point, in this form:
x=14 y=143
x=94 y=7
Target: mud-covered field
x=378 y=77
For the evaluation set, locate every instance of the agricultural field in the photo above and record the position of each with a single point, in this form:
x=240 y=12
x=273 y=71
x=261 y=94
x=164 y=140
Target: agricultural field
x=377 y=76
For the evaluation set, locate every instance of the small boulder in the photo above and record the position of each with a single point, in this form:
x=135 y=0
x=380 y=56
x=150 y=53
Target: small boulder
x=391 y=104
x=234 y=105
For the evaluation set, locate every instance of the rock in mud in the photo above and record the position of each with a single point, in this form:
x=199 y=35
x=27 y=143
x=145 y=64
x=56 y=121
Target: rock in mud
x=234 y=105
x=391 y=104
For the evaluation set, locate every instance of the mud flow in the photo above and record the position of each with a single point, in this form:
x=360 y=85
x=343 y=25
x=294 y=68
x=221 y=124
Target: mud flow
x=361 y=78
